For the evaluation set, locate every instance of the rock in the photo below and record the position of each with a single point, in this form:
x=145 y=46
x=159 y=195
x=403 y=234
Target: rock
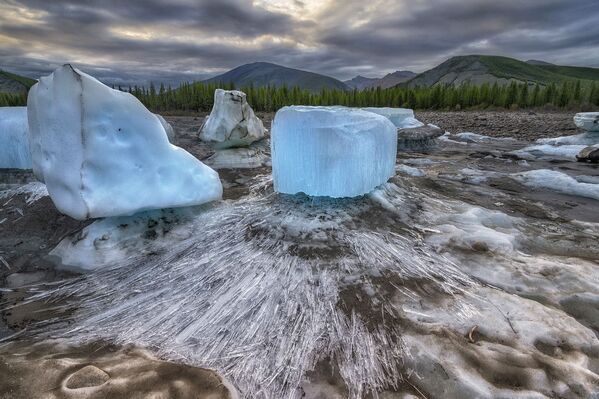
x=588 y=154
x=231 y=122
x=402 y=118
x=588 y=121
x=331 y=151
x=102 y=153
x=88 y=376
x=418 y=138
x=170 y=132
x=14 y=146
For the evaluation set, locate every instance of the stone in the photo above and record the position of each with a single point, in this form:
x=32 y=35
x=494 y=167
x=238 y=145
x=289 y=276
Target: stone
x=588 y=154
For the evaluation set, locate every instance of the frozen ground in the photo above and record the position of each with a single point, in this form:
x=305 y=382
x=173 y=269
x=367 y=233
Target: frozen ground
x=473 y=273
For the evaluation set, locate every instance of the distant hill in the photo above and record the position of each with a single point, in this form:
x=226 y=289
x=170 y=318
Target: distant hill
x=538 y=62
x=479 y=69
x=263 y=74
x=361 y=82
x=389 y=80
x=393 y=79
x=15 y=84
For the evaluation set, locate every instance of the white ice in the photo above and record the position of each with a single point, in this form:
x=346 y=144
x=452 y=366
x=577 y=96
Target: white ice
x=232 y=122
x=558 y=182
x=583 y=139
x=170 y=132
x=402 y=118
x=14 y=145
x=565 y=152
x=102 y=153
x=331 y=151
x=588 y=121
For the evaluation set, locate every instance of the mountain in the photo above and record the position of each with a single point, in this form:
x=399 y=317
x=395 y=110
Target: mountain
x=361 y=82
x=479 y=69
x=538 y=62
x=264 y=74
x=389 y=80
x=395 y=78
x=13 y=83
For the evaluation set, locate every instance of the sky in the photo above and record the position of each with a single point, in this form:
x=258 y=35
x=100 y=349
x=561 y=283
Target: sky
x=138 y=41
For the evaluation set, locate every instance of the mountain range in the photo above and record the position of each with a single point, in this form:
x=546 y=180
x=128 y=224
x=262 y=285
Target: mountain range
x=473 y=69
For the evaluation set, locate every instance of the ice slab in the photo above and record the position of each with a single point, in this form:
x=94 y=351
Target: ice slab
x=565 y=152
x=331 y=151
x=402 y=118
x=102 y=153
x=588 y=138
x=588 y=121
x=14 y=145
x=557 y=181
x=232 y=122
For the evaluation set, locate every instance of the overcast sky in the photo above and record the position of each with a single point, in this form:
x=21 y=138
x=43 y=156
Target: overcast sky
x=135 y=41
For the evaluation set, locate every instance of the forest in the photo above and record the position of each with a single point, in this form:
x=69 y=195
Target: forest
x=198 y=97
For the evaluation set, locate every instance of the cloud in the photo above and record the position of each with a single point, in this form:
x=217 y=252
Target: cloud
x=173 y=41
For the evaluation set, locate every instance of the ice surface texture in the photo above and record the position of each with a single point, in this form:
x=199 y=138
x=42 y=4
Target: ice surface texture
x=102 y=153
x=14 y=146
x=261 y=289
x=402 y=118
x=588 y=121
x=331 y=151
x=231 y=122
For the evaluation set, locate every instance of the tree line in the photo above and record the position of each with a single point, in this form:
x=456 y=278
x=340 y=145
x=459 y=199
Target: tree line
x=194 y=97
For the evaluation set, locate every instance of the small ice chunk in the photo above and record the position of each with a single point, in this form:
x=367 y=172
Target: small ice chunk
x=558 y=182
x=549 y=152
x=14 y=145
x=402 y=118
x=410 y=170
x=102 y=153
x=588 y=138
x=331 y=151
x=232 y=122
x=588 y=121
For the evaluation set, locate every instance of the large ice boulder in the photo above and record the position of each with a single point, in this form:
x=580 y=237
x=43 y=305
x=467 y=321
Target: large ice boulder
x=14 y=145
x=402 y=118
x=232 y=122
x=588 y=121
x=331 y=151
x=102 y=153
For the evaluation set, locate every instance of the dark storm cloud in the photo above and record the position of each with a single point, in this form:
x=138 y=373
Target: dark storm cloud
x=173 y=41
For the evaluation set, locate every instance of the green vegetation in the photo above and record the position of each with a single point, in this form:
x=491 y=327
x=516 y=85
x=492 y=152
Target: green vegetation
x=199 y=97
x=13 y=99
x=27 y=82
x=194 y=97
x=510 y=68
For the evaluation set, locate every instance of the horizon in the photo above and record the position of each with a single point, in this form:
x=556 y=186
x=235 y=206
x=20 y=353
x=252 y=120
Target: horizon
x=171 y=43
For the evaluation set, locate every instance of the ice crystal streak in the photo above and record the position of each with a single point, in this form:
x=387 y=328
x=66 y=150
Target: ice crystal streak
x=255 y=291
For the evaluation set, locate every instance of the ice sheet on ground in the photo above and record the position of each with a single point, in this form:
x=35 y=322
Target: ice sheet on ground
x=584 y=139
x=402 y=118
x=102 y=153
x=254 y=156
x=33 y=190
x=14 y=143
x=565 y=152
x=410 y=170
x=557 y=181
x=331 y=151
x=275 y=273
